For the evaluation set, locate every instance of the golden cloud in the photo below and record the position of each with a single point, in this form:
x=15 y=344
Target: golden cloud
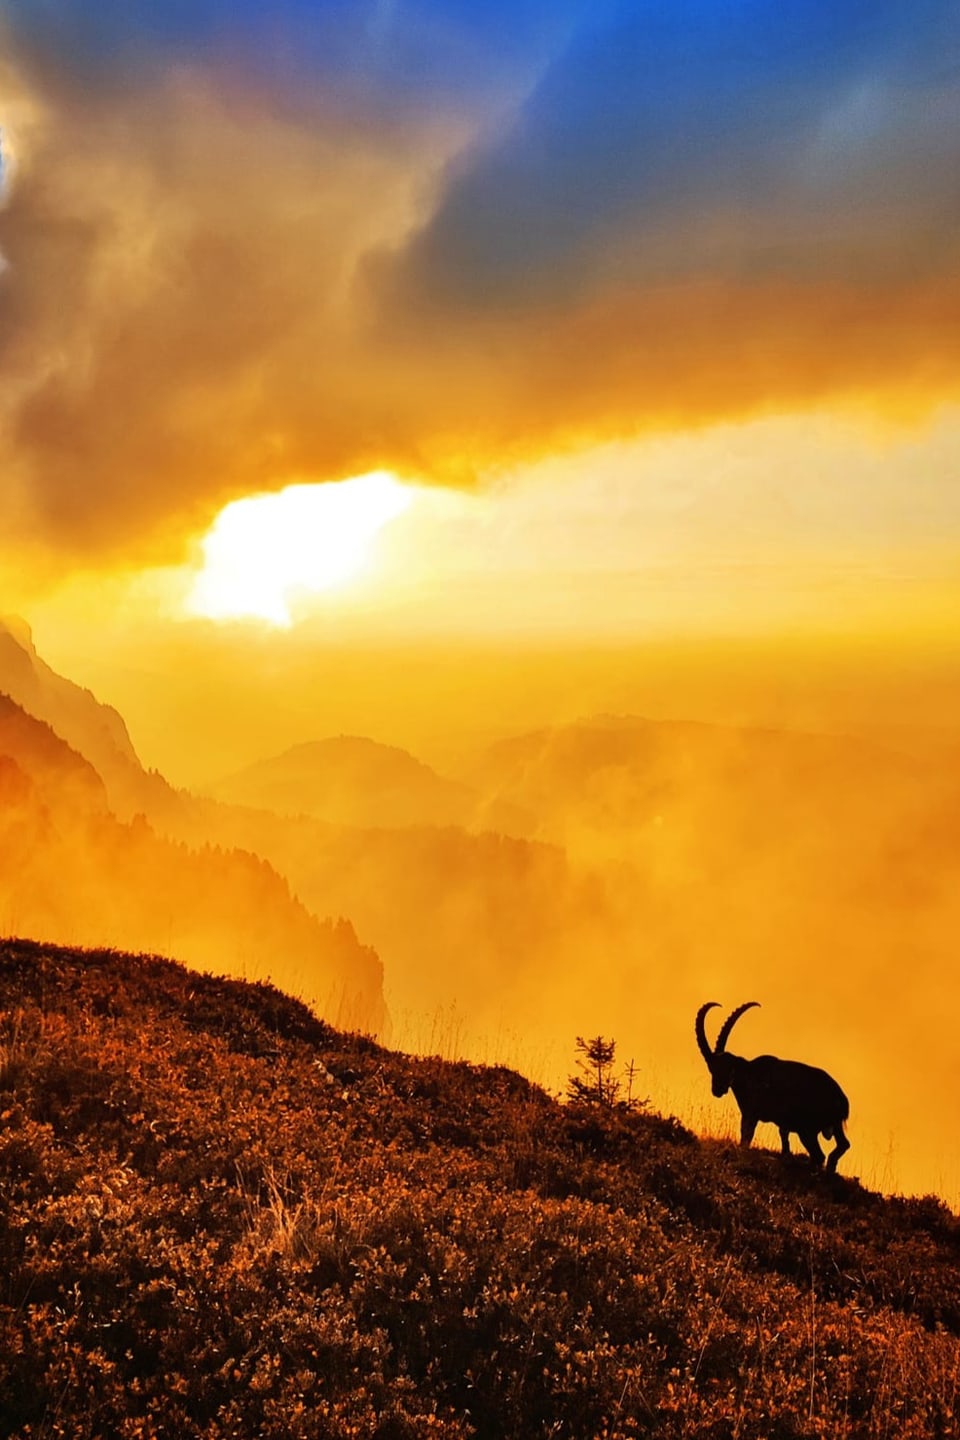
x=207 y=295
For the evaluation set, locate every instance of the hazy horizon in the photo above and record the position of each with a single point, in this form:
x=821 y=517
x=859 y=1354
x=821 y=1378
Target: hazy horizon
x=442 y=699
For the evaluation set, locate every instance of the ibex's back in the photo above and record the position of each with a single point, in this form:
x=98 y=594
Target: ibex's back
x=799 y=1099
x=792 y=1091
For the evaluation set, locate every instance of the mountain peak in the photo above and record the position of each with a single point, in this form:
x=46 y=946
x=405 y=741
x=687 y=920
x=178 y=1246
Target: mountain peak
x=95 y=730
x=21 y=632
x=351 y=780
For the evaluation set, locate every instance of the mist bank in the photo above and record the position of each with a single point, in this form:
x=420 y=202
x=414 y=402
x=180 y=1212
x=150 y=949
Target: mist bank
x=610 y=875
x=652 y=866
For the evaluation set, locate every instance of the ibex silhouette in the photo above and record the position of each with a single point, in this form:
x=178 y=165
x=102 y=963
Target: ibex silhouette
x=797 y=1098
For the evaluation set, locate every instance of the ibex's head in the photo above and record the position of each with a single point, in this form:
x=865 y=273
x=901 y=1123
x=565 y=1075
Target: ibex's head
x=721 y=1064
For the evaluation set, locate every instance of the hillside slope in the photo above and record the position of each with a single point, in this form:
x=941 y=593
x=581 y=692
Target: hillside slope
x=96 y=731
x=70 y=871
x=350 y=780
x=222 y=1218
x=47 y=764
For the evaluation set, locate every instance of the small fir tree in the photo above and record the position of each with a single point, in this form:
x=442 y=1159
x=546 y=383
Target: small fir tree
x=597 y=1084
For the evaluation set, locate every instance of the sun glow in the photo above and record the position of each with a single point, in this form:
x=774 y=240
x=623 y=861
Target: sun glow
x=262 y=552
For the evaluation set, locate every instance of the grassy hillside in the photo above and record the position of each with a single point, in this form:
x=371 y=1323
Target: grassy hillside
x=222 y=1218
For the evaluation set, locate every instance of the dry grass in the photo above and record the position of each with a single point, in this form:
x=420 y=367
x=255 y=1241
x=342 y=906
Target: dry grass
x=222 y=1218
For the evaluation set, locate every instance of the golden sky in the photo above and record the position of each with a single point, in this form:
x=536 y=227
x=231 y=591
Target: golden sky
x=609 y=323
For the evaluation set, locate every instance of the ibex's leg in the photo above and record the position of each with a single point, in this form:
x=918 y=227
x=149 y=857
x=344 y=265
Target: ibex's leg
x=747 y=1127
x=841 y=1147
x=810 y=1143
x=784 y=1141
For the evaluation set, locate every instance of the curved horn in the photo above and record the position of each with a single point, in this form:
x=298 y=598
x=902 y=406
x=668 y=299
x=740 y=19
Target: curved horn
x=702 y=1040
x=729 y=1023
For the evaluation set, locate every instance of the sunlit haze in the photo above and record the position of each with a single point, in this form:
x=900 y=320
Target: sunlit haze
x=260 y=553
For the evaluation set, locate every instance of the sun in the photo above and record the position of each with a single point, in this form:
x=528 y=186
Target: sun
x=263 y=551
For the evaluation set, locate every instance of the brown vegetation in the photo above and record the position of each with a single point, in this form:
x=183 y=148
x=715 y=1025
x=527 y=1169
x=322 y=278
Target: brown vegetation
x=222 y=1218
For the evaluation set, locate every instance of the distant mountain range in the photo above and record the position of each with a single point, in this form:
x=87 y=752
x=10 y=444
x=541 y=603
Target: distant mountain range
x=354 y=781
x=350 y=780
x=610 y=775
x=72 y=871
x=614 y=871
